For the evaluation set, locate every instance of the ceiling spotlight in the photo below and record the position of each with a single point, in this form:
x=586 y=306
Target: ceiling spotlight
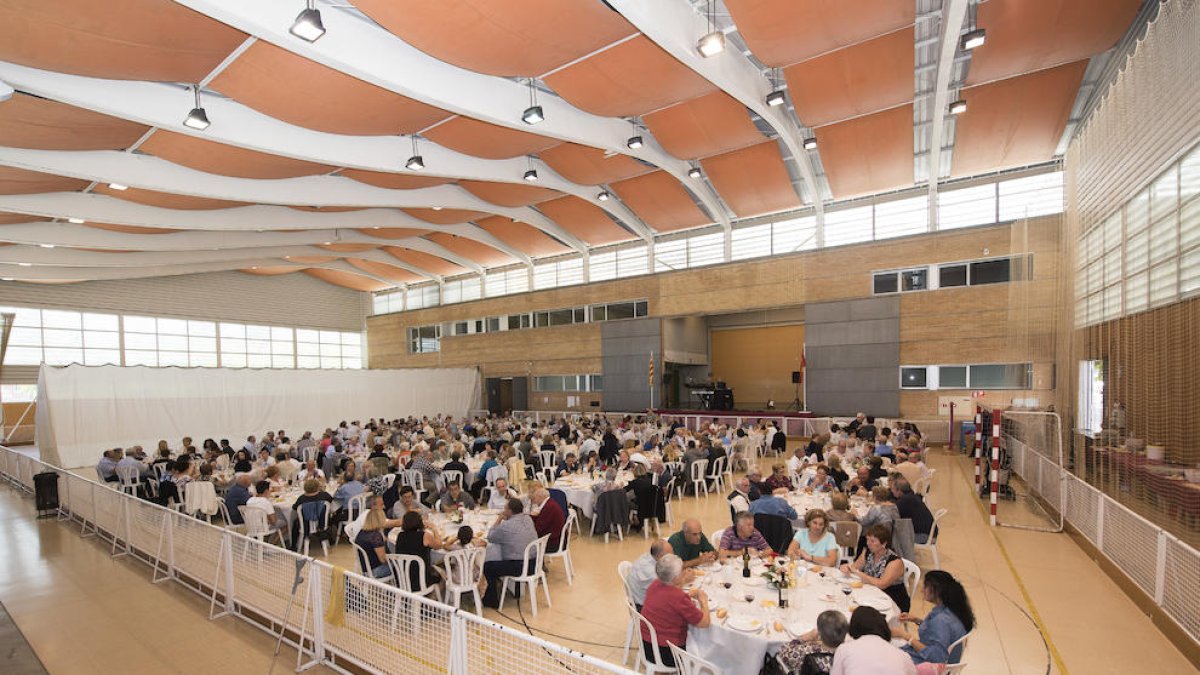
x=694 y=172
x=958 y=107
x=776 y=98
x=711 y=44
x=46 y=245
x=531 y=175
x=810 y=144
x=308 y=25
x=603 y=196
x=634 y=142
x=437 y=208
x=6 y=279
x=973 y=39
x=533 y=114
x=77 y=221
x=24 y=264
x=416 y=162
x=327 y=243
x=118 y=186
x=256 y=266
x=197 y=119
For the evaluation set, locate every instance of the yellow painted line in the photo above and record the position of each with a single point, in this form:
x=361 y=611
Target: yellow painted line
x=1037 y=618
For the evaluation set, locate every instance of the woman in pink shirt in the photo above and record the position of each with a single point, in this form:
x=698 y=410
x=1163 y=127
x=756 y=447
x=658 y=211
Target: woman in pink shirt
x=671 y=610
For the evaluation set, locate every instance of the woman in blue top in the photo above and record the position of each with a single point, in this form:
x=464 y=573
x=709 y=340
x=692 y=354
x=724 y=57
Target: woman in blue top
x=950 y=619
x=815 y=543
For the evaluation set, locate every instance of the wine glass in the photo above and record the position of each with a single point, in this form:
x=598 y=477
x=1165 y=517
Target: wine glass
x=748 y=597
x=846 y=590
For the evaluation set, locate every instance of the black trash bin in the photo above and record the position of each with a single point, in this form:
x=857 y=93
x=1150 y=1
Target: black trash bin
x=45 y=493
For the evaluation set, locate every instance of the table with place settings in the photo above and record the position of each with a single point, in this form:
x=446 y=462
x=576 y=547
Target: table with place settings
x=578 y=488
x=747 y=622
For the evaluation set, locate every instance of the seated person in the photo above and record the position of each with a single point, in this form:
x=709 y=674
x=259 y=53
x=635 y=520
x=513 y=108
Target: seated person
x=465 y=537
x=739 y=500
x=511 y=534
x=372 y=541
x=779 y=478
x=570 y=464
x=815 y=543
x=691 y=545
x=107 y=467
x=352 y=487
x=608 y=484
x=260 y=502
x=812 y=652
x=548 y=517
x=863 y=482
x=881 y=567
x=312 y=493
x=882 y=512
x=877 y=470
x=237 y=495
x=454 y=498
x=670 y=609
x=406 y=502
x=417 y=538
x=499 y=495
x=774 y=505
x=870 y=650
x=950 y=619
x=820 y=481
x=910 y=505
x=840 y=509
x=642 y=574
x=743 y=536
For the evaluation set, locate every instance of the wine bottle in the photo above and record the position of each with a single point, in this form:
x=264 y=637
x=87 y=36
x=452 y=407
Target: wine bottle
x=746 y=563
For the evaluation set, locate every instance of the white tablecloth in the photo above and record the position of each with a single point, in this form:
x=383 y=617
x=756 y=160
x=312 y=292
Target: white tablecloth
x=736 y=652
x=578 y=488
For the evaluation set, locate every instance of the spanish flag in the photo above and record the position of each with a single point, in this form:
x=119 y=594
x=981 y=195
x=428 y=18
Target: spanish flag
x=650 y=372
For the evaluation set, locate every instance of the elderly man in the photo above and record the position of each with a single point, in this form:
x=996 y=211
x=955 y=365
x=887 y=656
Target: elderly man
x=743 y=536
x=758 y=486
x=513 y=531
x=237 y=495
x=912 y=506
x=107 y=468
x=670 y=609
x=500 y=495
x=691 y=545
x=352 y=487
x=132 y=464
x=739 y=500
x=774 y=505
x=548 y=517
x=642 y=573
x=910 y=467
x=862 y=481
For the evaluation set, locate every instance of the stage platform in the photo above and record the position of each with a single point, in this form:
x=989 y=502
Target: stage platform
x=744 y=414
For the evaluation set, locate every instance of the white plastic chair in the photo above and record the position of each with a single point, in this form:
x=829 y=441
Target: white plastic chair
x=535 y=551
x=452 y=476
x=389 y=479
x=354 y=507
x=699 y=476
x=623 y=569
x=402 y=564
x=310 y=527
x=364 y=564
x=716 y=475
x=961 y=642
x=931 y=544
x=667 y=502
x=414 y=479
x=130 y=478
x=956 y=668
x=690 y=664
x=258 y=528
x=549 y=460
x=229 y=524
x=464 y=568
x=912 y=576
x=647 y=661
x=564 y=548
x=715 y=539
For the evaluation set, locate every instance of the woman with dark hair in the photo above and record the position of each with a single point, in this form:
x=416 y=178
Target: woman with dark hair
x=950 y=619
x=870 y=651
x=241 y=462
x=881 y=567
x=415 y=540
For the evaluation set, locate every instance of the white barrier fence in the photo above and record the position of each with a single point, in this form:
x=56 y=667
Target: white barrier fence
x=1166 y=568
x=332 y=616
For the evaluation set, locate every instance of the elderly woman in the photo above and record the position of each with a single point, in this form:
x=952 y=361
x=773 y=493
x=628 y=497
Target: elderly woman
x=670 y=609
x=839 y=511
x=950 y=619
x=881 y=567
x=812 y=653
x=778 y=478
x=815 y=543
x=883 y=511
x=821 y=481
x=609 y=483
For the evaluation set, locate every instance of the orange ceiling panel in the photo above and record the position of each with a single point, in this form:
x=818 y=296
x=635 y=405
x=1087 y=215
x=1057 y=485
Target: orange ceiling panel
x=1028 y=35
x=424 y=261
x=394 y=181
x=633 y=78
x=590 y=166
x=348 y=248
x=489 y=141
x=585 y=220
x=11 y=218
x=753 y=180
x=389 y=272
x=22 y=182
x=42 y=124
x=711 y=124
x=226 y=160
x=857 y=80
x=508 y=194
x=445 y=216
x=523 y=237
x=271 y=271
x=311 y=259
x=868 y=154
x=119 y=39
x=661 y=202
x=471 y=249
x=495 y=36
x=1016 y=121
x=281 y=84
x=132 y=229
x=783 y=32
x=392 y=232
x=166 y=200
x=347 y=280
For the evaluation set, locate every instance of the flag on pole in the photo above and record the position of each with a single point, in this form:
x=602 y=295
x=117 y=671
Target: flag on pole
x=650 y=373
x=803 y=362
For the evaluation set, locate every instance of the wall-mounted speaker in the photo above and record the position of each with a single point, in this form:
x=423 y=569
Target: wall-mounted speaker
x=795 y=377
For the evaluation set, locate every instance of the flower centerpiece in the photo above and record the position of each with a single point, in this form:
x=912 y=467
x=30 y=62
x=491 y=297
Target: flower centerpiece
x=779 y=576
x=455 y=516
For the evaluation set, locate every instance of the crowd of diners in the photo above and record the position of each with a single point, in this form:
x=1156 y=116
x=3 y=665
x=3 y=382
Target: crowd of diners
x=354 y=458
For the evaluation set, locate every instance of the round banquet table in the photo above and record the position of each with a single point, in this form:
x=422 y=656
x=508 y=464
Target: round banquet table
x=480 y=521
x=578 y=488
x=738 y=642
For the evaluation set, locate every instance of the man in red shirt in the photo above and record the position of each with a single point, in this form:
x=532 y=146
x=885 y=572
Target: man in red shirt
x=548 y=517
x=671 y=610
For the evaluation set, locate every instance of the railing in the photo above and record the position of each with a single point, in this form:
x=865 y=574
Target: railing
x=330 y=615
x=1160 y=564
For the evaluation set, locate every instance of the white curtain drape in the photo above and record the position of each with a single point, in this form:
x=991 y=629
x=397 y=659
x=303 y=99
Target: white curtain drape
x=83 y=410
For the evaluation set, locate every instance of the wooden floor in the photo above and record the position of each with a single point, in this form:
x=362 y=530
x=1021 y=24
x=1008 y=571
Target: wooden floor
x=1042 y=605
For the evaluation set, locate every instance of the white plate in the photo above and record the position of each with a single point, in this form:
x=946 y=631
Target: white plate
x=755 y=581
x=744 y=624
x=881 y=603
x=797 y=628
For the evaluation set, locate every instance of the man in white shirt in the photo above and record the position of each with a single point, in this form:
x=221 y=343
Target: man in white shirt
x=500 y=495
x=259 y=502
x=641 y=575
x=796 y=463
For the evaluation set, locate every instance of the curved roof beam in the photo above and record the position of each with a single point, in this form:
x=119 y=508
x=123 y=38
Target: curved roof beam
x=156 y=174
x=70 y=257
x=669 y=24
x=50 y=273
x=160 y=104
x=82 y=236
x=360 y=48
